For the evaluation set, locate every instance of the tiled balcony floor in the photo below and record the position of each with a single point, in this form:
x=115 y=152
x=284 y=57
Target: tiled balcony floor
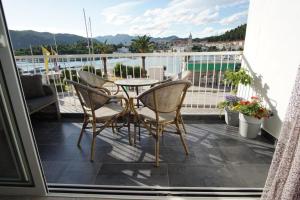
x=219 y=157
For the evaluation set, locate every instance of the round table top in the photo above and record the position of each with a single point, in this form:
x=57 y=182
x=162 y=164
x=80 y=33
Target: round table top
x=136 y=82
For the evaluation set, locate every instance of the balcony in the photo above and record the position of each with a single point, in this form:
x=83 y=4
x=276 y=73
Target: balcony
x=219 y=156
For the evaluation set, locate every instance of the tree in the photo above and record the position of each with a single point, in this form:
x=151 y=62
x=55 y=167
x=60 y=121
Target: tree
x=104 y=48
x=142 y=44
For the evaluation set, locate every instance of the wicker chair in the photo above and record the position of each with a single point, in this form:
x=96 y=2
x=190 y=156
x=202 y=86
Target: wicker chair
x=162 y=107
x=97 y=110
x=184 y=75
x=96 y=81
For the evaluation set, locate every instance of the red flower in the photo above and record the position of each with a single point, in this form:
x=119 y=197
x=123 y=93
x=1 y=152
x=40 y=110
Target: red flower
x=255 y=97
x=244 y=102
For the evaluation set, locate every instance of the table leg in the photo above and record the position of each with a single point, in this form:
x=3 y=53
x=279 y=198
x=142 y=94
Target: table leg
x=138 y=105
x=124 y=89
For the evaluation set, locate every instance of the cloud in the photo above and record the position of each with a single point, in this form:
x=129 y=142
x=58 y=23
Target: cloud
x=159 y=21
x=233 y=18
x=120 y=14
x=210 y=31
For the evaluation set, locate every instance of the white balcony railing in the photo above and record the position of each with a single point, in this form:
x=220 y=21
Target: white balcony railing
x=208 y=86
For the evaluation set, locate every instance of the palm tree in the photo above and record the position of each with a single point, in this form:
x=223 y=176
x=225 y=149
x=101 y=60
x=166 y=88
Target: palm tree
x=103 y=48
x=142 y=44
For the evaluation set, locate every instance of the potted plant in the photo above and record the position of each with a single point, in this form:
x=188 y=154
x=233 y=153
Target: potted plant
x=251 y=116
x=233 y=78
x=231 y=116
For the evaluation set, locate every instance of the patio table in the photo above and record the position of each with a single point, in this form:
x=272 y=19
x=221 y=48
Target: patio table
x=136 y=83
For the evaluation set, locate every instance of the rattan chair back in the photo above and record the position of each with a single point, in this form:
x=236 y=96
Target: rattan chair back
x=166 y=97
x=90 y=98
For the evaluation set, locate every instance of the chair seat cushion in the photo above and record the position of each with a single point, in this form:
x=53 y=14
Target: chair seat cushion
x=108 y=111
x=150 y=115
x=32 y=86
x=38 y=103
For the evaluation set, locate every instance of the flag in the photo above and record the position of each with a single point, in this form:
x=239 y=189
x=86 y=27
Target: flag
x=46 y=54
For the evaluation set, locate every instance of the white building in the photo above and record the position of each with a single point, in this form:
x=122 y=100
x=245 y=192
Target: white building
x=123 y=50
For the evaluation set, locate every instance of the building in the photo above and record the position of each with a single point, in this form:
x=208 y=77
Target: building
x=183 y=45
x=123 y=50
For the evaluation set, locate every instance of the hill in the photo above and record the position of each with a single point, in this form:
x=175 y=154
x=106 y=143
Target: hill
x=115 y=39
x=23 y=39
x=126 y=39
x=237 y=33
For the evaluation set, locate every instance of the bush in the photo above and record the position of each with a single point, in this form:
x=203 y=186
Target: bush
x=130 y=70
x=237 y=77
x=60 y=86
x=70 y=74
x=91 y=69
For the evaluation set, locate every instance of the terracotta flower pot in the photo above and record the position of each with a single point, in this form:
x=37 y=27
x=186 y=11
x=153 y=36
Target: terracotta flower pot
x=249 y=126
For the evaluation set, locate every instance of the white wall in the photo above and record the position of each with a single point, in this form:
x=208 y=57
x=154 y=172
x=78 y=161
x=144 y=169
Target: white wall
x=272 y=49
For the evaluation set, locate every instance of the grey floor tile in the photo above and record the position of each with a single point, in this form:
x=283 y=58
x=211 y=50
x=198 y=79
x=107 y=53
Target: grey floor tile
x=241 y=154
x=252 y=175
x=53 y=170
x=202 y=176
x=80 y=173
x=133 y=174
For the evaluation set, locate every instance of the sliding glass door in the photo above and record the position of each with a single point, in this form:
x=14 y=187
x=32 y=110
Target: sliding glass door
x=13 y=167
x=20 y=171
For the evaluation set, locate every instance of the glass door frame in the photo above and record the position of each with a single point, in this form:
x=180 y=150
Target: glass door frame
x=22 y=120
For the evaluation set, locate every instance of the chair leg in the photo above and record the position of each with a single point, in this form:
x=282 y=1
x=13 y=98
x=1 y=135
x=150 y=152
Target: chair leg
x=113 y=128
x=182 y=138
x=139 y=132
x=182 y=124
x=128 y=126
x=157 y=147
x=134 y=135
x=85 y=122
x=150 y=129
x=93 y=141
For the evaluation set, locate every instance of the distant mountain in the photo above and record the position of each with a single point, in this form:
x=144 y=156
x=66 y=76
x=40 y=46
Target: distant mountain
x=116 y=39
x=165 y=39
x=237 y=33
x=23 y=39
x=126 y=39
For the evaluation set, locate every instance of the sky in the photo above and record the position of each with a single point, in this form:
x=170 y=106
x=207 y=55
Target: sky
x=157 y=18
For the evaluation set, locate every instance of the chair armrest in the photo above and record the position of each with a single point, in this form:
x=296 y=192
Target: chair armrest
x=49 y=89
x=118 y=87
x=104 y=90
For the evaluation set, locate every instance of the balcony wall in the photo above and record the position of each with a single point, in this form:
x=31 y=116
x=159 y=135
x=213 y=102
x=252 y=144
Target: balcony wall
x=272 y=53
